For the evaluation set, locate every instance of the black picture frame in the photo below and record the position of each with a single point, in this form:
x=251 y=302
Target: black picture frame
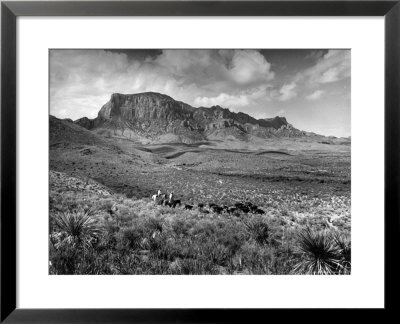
x=9 y=13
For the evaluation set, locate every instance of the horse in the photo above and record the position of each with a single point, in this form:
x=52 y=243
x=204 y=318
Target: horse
x=168 y=203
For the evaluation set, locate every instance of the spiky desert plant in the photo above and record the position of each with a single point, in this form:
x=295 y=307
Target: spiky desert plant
x=259 y=230
x=79 y=227
x=319 y=255
x=343 y=244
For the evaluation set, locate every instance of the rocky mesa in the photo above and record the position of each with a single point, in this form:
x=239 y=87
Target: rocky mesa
x=152 y=115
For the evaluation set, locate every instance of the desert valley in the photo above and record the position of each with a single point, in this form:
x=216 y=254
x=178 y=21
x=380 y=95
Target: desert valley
x=252 y=196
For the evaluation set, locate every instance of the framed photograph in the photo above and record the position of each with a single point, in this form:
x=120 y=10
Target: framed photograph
x=193 y=161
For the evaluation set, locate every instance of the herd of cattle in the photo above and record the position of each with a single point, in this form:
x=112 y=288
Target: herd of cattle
x=246 y=207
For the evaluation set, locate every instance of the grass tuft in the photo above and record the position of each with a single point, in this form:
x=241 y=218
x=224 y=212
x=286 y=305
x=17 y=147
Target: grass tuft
x=319 y=254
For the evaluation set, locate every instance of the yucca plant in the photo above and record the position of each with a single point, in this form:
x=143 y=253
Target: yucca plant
x=79 y=227
x=259 y=230
x=319 y=254
x=344 y=248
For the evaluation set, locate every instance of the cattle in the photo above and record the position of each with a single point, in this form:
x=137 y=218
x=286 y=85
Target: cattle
x=200 y=205
x=188 y=207
x=245 y=209
x=216 y=209
x=239 y=205
x=231 y=210
x=259 y=211
x=176 y=202
x=154 y=197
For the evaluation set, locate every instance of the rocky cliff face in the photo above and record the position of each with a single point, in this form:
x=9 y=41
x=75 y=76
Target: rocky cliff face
x=152 y=114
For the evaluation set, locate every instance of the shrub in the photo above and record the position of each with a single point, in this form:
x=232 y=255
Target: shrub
x=129 y=238
x=258 y=230
x=79 y=227
x=319 y=254
x=154 y=225
x=181 y=227
x=344 y=248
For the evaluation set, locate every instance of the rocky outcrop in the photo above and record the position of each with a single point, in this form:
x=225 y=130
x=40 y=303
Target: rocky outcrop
x=153 y=114
x=85 y=123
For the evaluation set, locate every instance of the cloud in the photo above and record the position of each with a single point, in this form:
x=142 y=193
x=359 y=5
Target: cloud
x=248 y=66
x=315 y=95
x=335 y=65
x=81 y=81
x=314 y=55
x=287 y=92
x=243 y=99
x=224 y=100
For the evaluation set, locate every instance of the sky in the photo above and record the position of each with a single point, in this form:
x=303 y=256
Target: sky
x=311 y=88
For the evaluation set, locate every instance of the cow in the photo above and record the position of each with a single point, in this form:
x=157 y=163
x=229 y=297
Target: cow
x=216 y=209
x=231 y=210
x=188 y=207
x=239 y=205
x=259 y=211
x=176 y=202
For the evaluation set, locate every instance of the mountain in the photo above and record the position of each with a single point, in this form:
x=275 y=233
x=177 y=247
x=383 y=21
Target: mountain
x=64 y=131
x=152 y=115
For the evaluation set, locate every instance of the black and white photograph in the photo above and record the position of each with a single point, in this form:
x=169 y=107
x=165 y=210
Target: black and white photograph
x=199 y=162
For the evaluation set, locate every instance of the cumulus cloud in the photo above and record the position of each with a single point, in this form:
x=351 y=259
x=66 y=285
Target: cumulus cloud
x=224 y=100
x=234 y=101
x=335 y=65
x=84 y=80
x=315 y=95
x=248 y=66
x=287 y=92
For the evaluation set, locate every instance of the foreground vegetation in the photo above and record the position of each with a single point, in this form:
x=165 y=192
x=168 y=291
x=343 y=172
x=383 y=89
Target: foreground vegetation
x=93 y=231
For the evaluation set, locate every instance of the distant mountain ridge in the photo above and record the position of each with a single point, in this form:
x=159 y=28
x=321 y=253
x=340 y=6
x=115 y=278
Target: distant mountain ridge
x=151 y=115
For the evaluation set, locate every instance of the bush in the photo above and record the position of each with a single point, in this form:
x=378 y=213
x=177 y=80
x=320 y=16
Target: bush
x=259 y=231
x=344 y=248
x=79 y=227
x=130 y=238
x=319 y=254
x=74 y=236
